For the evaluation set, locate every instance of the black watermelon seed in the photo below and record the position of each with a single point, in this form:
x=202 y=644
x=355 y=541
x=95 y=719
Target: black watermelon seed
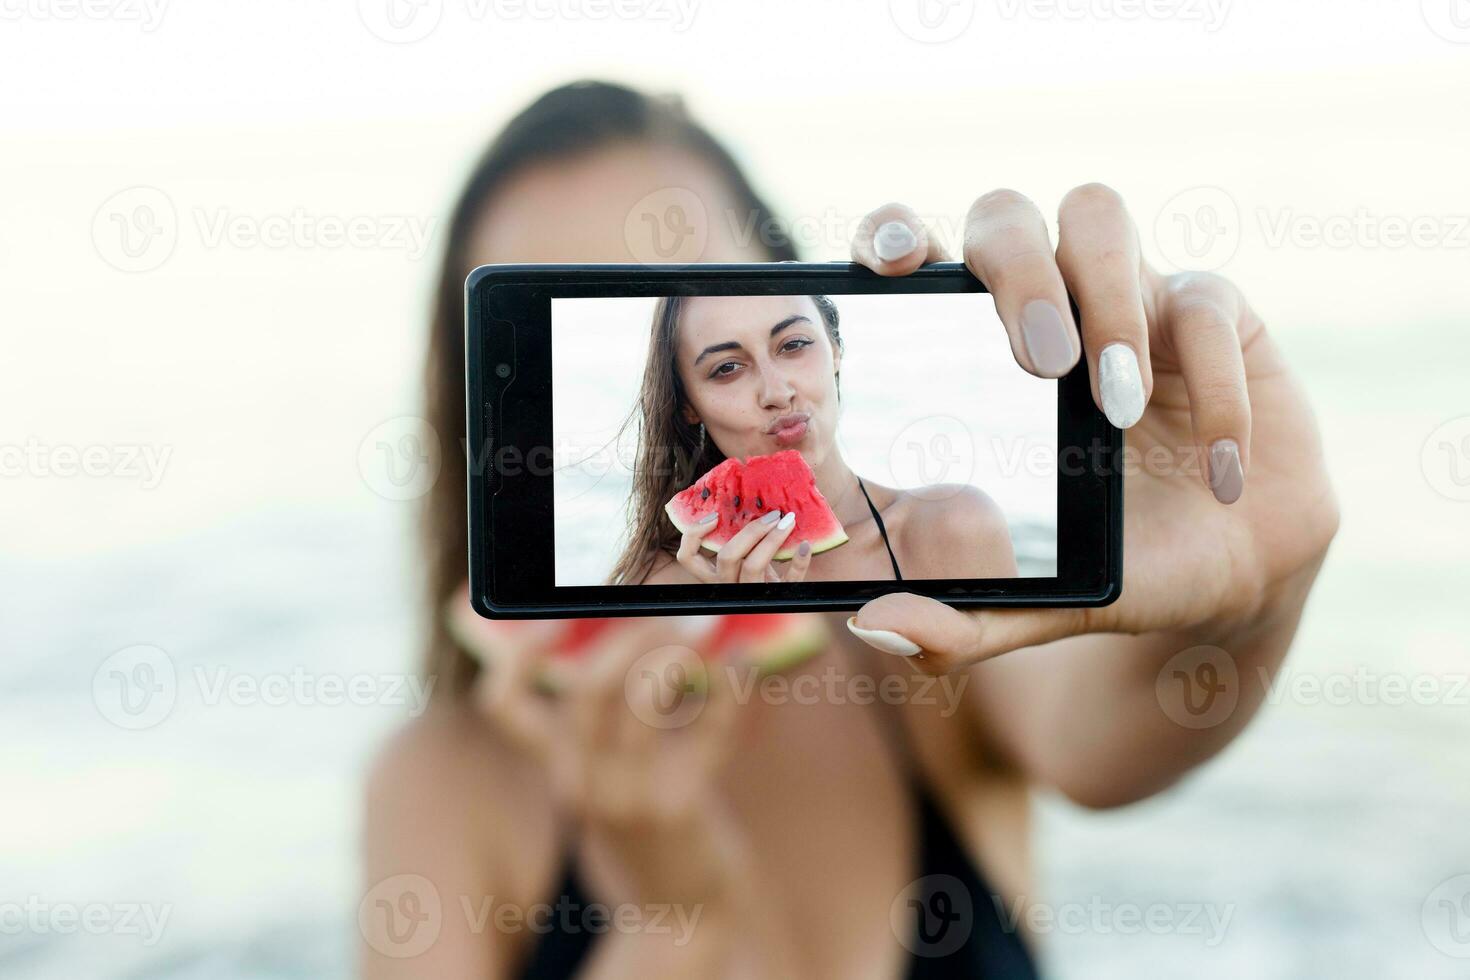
x=704 y=494
x=737 y=500
x=760 y=504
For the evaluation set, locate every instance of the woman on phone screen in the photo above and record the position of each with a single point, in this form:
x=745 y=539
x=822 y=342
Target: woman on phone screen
x=839 y=836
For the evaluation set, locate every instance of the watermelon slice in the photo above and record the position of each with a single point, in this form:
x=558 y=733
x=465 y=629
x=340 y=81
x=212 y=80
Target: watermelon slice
x=771 y=642
x=743 y=492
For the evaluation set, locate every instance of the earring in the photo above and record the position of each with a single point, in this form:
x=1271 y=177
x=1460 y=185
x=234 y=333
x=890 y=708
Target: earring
x=701 y=438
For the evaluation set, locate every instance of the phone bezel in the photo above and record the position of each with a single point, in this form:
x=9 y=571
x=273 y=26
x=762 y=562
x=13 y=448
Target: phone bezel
x=511 y=526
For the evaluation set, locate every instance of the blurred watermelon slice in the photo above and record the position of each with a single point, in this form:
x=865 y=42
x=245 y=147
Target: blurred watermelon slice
x=770 y=642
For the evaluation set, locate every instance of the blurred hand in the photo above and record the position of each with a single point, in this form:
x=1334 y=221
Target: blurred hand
x=748 y=556
x=1231 y=526
x=633 y=750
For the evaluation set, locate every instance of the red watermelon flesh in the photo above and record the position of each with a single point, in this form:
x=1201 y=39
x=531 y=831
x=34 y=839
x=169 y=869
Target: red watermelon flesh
x=771 y=642
x=743 y=492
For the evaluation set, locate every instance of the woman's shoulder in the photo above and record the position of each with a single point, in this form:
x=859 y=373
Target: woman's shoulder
x=955 y=519
x=449 y=774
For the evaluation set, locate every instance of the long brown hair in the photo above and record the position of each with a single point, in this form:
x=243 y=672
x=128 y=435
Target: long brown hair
x=568 y=121
x=671 y=454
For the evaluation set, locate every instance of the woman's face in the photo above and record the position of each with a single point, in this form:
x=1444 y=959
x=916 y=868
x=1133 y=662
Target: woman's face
x=760 y=373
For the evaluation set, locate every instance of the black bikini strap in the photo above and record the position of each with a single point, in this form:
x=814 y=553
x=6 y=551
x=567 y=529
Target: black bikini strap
x=881 y=529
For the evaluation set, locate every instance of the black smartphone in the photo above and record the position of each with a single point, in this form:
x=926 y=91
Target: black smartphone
x=612 y=409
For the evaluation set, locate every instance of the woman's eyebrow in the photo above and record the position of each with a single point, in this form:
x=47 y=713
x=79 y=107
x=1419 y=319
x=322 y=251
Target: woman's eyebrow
x=735 y=344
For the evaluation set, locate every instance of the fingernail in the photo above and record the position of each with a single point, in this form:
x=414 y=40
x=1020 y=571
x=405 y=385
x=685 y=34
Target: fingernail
x=1227 y=479
x=1047 y=338
x=787 y=521
x=804 y=549
x=772 y=517
x=1121 y=385
x=885 y=640
x=711 y=516
x=894 y=240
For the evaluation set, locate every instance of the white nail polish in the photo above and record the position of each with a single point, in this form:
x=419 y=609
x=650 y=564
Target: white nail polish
x=787 y=521
x=885 y=640
x=710 y=517
x=894 y=240
x=1121 y=384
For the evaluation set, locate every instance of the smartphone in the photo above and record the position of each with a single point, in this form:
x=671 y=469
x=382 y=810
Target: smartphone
x=608 y=407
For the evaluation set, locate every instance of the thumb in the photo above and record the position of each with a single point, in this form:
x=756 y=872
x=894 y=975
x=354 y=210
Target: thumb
x=938 y=638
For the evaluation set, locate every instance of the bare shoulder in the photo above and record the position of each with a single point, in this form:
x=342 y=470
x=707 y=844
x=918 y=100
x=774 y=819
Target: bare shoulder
x=955 y=530
x=448 y=796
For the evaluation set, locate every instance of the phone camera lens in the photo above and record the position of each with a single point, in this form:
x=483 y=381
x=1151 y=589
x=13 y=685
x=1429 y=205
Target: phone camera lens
x=502 y=370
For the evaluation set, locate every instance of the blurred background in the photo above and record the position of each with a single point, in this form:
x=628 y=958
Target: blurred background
x=219 y=231
x=931 y=397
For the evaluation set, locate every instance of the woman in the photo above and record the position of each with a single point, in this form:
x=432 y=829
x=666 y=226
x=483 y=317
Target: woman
x=838 y=837
x=741 y=376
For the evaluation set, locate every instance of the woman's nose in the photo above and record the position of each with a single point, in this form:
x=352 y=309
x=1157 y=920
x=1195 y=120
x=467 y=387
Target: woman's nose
x=776 y=389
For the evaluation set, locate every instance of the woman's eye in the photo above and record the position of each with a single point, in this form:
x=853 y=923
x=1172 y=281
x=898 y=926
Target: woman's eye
x=795 y=344
x=720 y=371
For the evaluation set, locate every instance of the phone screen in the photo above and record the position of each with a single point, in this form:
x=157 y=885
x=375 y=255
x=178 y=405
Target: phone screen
x=916 y=395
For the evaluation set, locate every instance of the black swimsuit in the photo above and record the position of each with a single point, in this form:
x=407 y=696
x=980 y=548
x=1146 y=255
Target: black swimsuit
x=881 y=529
x=952 y=917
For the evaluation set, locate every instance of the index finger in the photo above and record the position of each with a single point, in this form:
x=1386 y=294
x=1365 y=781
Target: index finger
x=894 y=241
